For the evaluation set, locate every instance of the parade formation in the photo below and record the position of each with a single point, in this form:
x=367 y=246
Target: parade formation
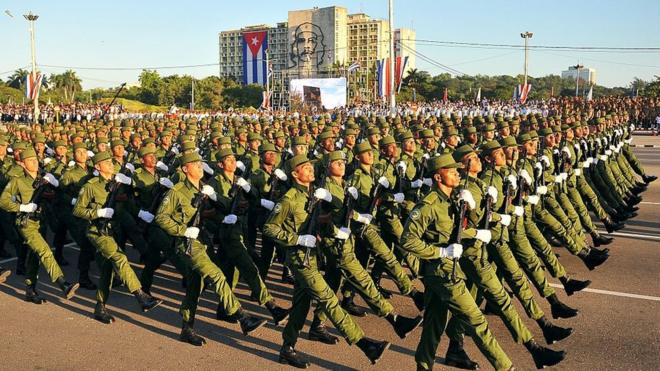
x=462 y=206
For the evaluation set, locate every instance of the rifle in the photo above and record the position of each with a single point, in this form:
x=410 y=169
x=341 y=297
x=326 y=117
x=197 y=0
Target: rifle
x=39 y=185
x=105 y=111
x=347 y=207
x=104 y=223
x=489 y=207
x=540 y=180
x=375 y=200
x=313 y=215
x=195 y=221
x=462 y=219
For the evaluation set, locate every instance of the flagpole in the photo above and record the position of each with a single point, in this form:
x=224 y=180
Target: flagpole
x=267 y=80
x=392 y=58
x=31 y=19
x=526 y=35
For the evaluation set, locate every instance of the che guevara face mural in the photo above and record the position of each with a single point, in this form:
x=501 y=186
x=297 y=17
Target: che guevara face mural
x=308 y=46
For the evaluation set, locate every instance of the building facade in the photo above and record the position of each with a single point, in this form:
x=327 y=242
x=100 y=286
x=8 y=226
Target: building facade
x=587 y=75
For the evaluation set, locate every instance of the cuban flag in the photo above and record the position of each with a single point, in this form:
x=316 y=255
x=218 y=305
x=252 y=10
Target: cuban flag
x=522 y=91
x=32 y=85
x=254 y=57
x=384 y=78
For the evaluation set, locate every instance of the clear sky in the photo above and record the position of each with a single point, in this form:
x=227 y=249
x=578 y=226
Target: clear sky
x=149 y=33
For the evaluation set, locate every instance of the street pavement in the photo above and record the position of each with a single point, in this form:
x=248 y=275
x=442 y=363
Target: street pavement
x=618 y=327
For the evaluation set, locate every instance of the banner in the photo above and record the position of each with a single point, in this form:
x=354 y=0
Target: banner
x=321 y=93
x=254 y=57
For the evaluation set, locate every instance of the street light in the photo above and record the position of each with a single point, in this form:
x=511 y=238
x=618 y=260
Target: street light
x=577 y=77
x=31 y=18
x=526 y=35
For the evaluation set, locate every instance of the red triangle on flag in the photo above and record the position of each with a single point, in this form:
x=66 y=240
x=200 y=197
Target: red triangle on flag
x=254 y=40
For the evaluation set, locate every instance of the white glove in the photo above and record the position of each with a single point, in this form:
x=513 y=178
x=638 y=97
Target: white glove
x=71 y=163
x=191 y=232
x=10 y=150
x=384 y=182
x=90 y=153
x=51 y=180
x=268 y=204
x=608 y=152
x=230 y=219
x=402 y=167
x=602 y=157
x=165 y=182
x=353 y=192
x=563 y=176
x=399 y=197
x=280 y=175
x=533 y=199
x=518 y=211
x=106 y=212
x=428 y=182
x=566 y=151
x=513 y=181
x=210 y=192
x=539 y=166
x=542 y=190
x=73 y=201
x=525 y=175
x=28 y=208
x=492 y=192
x=590 y=160
x=47 y=160
x=160 y=165
x=365 y=218
x=559 y=179
x=577 y=172
x=123 y=179
x=323 y=194
x=130 y=167
x=174 y=150
x=545 y=160
x=207 y=168
x=306 y=240
x=49 y=151
x=483 y=235
x=426 y=156
x=466 y=196
x=454 y=250
x=146 y=216
x=585 y=165
x=343 y=233
x=506 y=219
x=628 y=141
x=416 y=184
x=240 y=165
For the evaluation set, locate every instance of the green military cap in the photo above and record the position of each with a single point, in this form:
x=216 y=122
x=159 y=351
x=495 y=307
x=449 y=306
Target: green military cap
x=489 y=127
x=59 y=143
x=334 y=156
x=565 y=127
x=116 y=142
x=101 y=156
x=299 y=140
x=427 y=133
x=188 y=146
x=28 y=153
x=326 y=134
x=361 y=147
x=545 y=132
x=407 y=134
x=267 y=146
x=462 y=151
x=254 y=136
x=223 y=153
x=489 y=147
x=350 y=131
x=445 y=161
x=224 y=140
x=509 y=141
x=373 y=130
x=469 y=130
x=190 y=157
x=533 y=134
x=39 y=138
x=241 y=130
x=386 y=140
x=296 y=161
x=79 y=145
x=148 y=141
x=451 y=131
x=147 y=150
x=20 y=146
x=135 y=136
x=279 y=134
x=502 y=125
x=524 y=138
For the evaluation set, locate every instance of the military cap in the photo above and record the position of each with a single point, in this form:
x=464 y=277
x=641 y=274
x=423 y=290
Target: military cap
x=361 y=147
x=445 y=161
x=373 y=130
x=489 y=127
x=79 y=145
x=39 y=138
x=533 y=134
x=59 y=143
x=451 y=131
x=334 y=156
x=296 y=161
x=279 y=134
x=116 y=142
x=190 y=157
x=20 y=146
x=469 y=130
x=427 y=133
x=147 y=150
x=101 y=156
x=524 y=138
x=223 y=153
x=224 y=140
x=266 y=146
x=188 y=146
x=502 y=125
x=545 y=132
x=28 y=153
x=254 y=136
x=386 y=140
x=509 y=141
x=463 y=150
x=299 y=140
x=407 y=134
x=326 y=134
x=351 y=131
x=489 y=147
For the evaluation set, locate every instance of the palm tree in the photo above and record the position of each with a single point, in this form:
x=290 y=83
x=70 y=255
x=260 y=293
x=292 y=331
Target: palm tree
x=68 y=82
x=17 y=80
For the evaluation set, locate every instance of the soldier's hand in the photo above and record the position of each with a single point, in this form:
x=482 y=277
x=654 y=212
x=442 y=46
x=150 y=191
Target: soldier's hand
x=160 y=165
x=542 y=190
x=47 y=160
x=343 y=233
x=454 y=250
x=546 y=160
x=566 y=151
x=268 y=204
x=281 y=175
x=353 y=192
x=402 y=167
x=399 y=197
x=466 y=196
x=28 y=208
x=106 y=212
x=230 y=219
x=71 y=163
x=365 y=218
x=427 y=182
x=577 y=172
x=525 y=175
x=306 y=240
x=73 y=201
x=415 y=184
x=533 y=199
x=165 y=182
x=146 y=216
x=492 y=192
x=563 y=176
x=130 y=167
x=210 y=192
x=559 y=179
x=243 y=184
x=240 y=165
x=90 y=153
x=505 y=219
x=483 y=235
x=191 y=232
x=50 y=178
x=123 y=179
x=518 y=211
x=513 y=181
x=323 y=194
x=207 y=168
x=384 y=182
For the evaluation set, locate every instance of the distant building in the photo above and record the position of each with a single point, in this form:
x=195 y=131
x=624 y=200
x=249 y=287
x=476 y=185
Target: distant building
x=587 y=74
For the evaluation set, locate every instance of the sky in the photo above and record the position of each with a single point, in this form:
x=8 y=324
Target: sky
x=156 y=33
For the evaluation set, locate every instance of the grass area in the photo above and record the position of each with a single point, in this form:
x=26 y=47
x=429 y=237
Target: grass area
x=135 y=106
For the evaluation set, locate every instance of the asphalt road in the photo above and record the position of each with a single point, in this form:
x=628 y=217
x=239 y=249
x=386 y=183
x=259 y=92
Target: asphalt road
x=618 y=327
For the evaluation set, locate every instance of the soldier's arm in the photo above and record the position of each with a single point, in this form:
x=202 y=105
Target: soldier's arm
x=416 y=225
x=8 y=201
x=82 y=208
x=274 y=225
x=164 y=214
x=65 y=183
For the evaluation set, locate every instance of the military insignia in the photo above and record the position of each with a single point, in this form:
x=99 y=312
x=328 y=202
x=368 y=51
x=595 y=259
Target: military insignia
x=415 y=214
x=277 y=208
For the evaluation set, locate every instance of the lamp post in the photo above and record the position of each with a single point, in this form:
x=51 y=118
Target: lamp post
x=31 y=18
x=526 y=36
x=577 y=78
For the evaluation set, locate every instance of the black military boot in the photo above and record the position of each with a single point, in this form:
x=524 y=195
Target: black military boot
x=352 y=309
x=599 y=239
x=102 y=315
x=559 y=309
x=318 y=332
x=418 y=298
x=188 y=335
x=611 y=226
x=279 y=314
x=373 y=349
x=248 y=323
x=146 y=301
x=32 y=296
x=544 y=356
x=86 y=282
x=403 y=325
x=572 y=286
x=552 y=333
x=456 y=356
x=603 y=251
x=289 y=357
x=591 y=259
x=649 y=178
x=4 y=274
x=68 y=289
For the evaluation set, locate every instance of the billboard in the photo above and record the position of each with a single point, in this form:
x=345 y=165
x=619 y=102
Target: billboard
x=320 y=93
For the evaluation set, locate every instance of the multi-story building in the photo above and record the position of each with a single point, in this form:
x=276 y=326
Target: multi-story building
x=404 y=45
x=587 y=75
